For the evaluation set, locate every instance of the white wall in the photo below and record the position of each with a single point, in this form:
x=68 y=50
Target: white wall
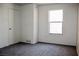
x=3 y=26
x=29 y=23
x=69 y=25
x=78 y=33
x=17 y=23
x=5 y=17
x=24 y=23
x=35 y=23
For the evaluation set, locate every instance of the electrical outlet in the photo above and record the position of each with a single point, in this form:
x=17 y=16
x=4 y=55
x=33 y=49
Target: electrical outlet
x=28 y=41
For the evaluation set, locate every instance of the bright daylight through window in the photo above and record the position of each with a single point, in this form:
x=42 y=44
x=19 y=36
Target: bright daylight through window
x=55 y=18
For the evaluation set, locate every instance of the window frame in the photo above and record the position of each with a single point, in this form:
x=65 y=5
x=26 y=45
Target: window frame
x=49 y=22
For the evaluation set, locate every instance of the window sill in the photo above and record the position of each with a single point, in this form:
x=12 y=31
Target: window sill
x=55 y=34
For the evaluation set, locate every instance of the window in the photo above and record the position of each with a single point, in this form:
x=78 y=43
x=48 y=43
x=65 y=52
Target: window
x=55 y=21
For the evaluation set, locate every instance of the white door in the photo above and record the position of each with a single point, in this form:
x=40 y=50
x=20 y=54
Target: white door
x=11 y=25
x=3 y=27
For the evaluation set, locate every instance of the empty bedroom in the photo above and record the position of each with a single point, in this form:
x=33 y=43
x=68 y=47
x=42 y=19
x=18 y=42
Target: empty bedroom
x=39 y=29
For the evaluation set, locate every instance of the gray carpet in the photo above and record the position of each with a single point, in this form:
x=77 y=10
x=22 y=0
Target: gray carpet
x=39 y=49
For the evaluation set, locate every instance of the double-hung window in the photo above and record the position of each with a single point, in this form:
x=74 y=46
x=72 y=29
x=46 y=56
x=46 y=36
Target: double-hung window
x=55 y=18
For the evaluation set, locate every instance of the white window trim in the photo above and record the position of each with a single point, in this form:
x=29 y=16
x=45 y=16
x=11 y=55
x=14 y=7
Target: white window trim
x=54 y=22
x=55 y=33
